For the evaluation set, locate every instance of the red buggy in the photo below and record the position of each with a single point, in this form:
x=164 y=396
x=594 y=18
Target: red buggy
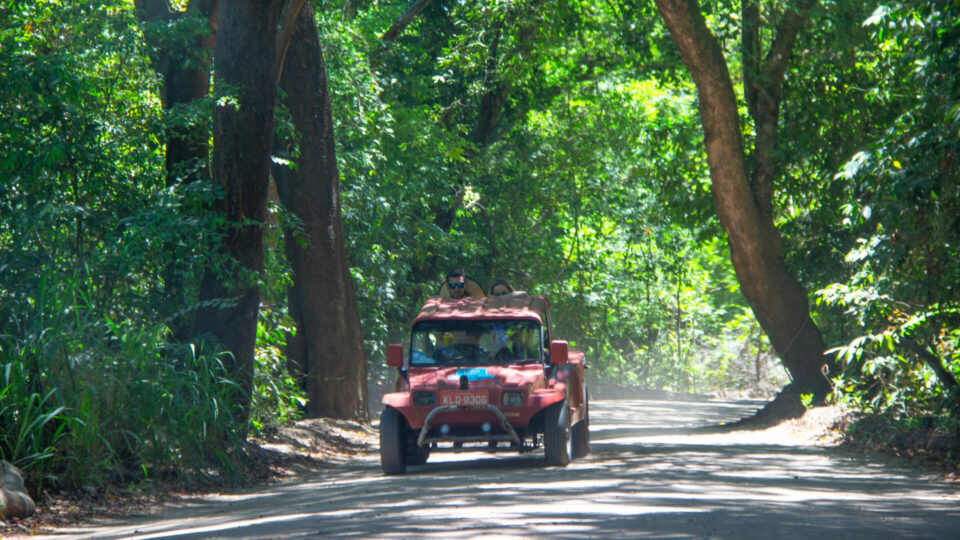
x=484 y=371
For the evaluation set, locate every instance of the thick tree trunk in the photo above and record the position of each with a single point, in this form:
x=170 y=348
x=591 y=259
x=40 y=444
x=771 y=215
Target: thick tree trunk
x=245 y=67
x=328 y=346
x=778 y=301
x=188 y=150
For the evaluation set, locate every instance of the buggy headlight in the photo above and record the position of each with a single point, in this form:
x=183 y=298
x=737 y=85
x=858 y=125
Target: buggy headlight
x=512 y=399
x=423 y=398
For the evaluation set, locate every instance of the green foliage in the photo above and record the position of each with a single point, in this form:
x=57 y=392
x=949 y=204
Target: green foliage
x=123 y=400
x=277 y=399
x=94 y=387
x=590 y=188
x=29 y=421
x=176 y=408
x=901 y=294
x=552 y=144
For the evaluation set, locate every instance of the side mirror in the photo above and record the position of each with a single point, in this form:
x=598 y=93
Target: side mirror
x=395 y=355
x=559 y=352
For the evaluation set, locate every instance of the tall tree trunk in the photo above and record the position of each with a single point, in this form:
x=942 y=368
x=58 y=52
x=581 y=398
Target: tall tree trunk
x=780 y=304
x=328 y=346
x=185 y=78
x=244 y=67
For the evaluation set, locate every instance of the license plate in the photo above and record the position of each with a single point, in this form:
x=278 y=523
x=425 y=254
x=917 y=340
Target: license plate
x=464 y=398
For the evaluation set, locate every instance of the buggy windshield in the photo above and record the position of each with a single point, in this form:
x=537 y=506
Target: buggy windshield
x=475 y=342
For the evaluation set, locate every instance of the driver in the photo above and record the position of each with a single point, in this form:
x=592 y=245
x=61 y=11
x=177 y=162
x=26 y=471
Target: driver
x=469 y=337
x=464 y=345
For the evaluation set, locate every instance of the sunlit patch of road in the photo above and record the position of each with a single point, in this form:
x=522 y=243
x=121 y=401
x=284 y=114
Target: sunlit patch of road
x=651 y=473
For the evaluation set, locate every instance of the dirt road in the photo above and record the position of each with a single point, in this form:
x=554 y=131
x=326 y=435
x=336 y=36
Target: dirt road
x=647 y=476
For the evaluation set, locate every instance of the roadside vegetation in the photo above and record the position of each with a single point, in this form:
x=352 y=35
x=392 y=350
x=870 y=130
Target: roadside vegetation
x=557 y=145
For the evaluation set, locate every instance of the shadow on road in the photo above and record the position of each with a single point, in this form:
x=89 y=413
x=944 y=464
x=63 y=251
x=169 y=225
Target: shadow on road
x=651 y=473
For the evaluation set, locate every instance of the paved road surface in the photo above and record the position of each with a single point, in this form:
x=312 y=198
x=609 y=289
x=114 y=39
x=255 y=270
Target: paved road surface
x=648 y=476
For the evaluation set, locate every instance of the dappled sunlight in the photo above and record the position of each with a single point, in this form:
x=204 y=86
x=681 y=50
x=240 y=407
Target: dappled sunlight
x=641 y=479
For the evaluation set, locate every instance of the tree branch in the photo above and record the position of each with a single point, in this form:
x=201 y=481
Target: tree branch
x=286 y=27
x=946 y=378
x=775 y=64
x=766 y=91
x=750 y=53
x=403 y=20
x=154 y=10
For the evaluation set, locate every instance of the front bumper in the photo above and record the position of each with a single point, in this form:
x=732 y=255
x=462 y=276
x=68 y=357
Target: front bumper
x=509 y=434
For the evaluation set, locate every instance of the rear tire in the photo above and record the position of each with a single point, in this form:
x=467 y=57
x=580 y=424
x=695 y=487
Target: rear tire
x=392 y=433
x=581 y=433
x=557 y=443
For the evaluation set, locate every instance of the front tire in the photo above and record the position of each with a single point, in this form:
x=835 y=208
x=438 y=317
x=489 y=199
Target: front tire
x=557 y=443
x=416 y=455
x=392 y=433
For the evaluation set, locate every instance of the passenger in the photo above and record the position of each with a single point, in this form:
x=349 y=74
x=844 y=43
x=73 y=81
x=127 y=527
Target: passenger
x=458 y=285
x=500 y=287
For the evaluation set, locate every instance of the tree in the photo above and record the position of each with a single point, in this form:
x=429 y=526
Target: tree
x=505 y=138
x=245 y=60
x=328 y=346
x=321 y=278
x=404 y=19
x=87 y=227
x=184 y=70
x=901 y=295
x=742 y=193
x=182 y=45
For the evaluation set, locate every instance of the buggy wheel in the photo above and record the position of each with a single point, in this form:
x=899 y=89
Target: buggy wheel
x=557 y=443
x=416 y=455
x=581 y=433
x=392 y=435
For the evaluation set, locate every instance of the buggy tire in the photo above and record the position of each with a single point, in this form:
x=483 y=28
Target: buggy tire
x=581 y=432
x=392 y=437
x=416 y=455
x=557 y=440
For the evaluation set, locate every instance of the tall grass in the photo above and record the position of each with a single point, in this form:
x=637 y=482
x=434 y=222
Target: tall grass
x=31 y=424
x=89 y=400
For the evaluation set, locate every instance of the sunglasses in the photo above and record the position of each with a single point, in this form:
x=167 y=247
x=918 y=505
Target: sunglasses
x=504 y=293
x=456 y=285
